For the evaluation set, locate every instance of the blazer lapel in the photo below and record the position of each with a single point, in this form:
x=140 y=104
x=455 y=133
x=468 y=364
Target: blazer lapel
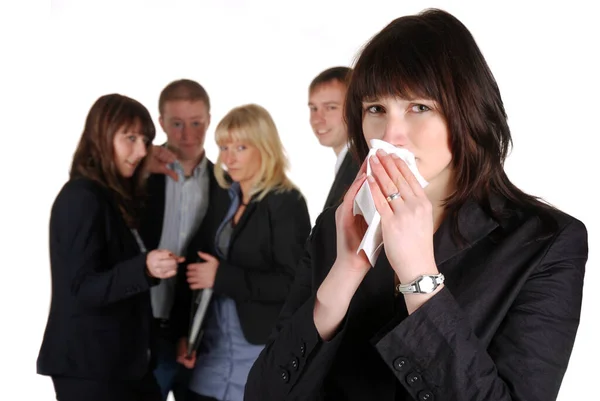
x=337 y=190
x=474 y=224
x=152 y=222
x=243 y=220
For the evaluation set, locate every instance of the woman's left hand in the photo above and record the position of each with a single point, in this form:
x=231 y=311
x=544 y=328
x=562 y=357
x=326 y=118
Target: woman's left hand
x=406 y=221
x=202 y=275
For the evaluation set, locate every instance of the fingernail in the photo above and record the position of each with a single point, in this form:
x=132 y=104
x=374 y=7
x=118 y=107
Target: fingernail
x=370 y=178
x=375 y=159
x=381 y=152
x=395 y=156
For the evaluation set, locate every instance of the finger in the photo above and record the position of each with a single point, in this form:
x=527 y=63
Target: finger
x=390 y=164
x=169 y=273
x=352 y=191
x=166 y=155
x=381 y=176
x=363 y=168
x=206 y=256
x=197 y=286
x=408 y=176
x=171 y=256
x=379 y=199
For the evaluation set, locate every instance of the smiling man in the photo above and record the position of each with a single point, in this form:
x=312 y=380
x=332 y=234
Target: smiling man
x=326 y=95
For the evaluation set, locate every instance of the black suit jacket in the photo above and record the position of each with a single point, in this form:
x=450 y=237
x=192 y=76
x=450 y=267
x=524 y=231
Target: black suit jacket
x=99 y=322
x=502 y=328
x=264 y=250
x=343 y=179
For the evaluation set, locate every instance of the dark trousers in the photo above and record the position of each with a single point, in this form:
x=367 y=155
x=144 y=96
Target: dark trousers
x=170 y=375
x=77 y=389
x=191 y=396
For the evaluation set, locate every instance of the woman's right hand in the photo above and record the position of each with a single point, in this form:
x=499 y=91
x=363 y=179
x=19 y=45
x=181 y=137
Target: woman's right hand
x=350 y=229
x=349 y=269
x=162 y=263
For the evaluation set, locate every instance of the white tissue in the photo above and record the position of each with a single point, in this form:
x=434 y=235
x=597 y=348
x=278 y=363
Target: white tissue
x=364 y=205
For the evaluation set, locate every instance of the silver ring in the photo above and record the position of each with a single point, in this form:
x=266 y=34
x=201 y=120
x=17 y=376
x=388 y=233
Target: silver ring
x=393 y=196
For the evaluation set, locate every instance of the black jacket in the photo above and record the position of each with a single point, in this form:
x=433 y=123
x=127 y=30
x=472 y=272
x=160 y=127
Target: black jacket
x=264 y=250
x=502 y=328
x=99 y=322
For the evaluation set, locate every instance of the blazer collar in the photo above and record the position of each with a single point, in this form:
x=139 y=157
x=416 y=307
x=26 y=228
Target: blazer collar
x=474 y=224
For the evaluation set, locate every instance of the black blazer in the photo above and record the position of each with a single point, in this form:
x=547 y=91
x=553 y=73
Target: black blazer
x=99 y=322
x=502 y=328
x=264 y=249
x=151 y=224
x=343 y=179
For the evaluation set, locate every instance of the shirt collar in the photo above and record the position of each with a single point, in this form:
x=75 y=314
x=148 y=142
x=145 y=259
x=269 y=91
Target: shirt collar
x=196 y=172
x=340 y=157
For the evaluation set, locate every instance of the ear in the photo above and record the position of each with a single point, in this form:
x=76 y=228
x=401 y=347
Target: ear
x=161 y=121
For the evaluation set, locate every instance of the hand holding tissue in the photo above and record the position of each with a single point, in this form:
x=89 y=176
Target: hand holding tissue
x=364 y=205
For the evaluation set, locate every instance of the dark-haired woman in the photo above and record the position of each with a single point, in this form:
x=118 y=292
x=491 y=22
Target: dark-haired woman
x=477 y=292
x=97 y=343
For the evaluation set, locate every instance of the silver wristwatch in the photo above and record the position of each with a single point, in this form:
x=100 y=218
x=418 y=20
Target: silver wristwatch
x=422 y=285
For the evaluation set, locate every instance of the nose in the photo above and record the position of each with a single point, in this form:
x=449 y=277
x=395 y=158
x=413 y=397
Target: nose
x=228 y=157
x=140 y=149
x=396 y=130
x=316 y=117
x=185 y=132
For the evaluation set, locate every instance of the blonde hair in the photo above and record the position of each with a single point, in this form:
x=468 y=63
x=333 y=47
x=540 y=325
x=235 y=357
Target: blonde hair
x=254 y=125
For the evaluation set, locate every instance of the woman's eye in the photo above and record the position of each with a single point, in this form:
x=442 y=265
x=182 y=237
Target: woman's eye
x=374 y=109
x=420 y=108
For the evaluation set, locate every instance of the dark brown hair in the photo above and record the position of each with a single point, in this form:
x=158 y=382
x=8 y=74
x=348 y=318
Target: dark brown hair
x=183 y=89
x=340 y=74
x=433 y=56
x=94 y=157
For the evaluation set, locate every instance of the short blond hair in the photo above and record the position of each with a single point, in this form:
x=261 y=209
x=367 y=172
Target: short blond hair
x=254 y=125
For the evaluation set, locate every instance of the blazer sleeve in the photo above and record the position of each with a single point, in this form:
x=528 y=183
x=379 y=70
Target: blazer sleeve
x=295 y=360
x=435 y=350
x=81 y=237
x=289 y=223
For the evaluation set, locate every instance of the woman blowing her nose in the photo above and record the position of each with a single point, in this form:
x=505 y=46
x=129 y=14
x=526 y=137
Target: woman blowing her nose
x=477 y=293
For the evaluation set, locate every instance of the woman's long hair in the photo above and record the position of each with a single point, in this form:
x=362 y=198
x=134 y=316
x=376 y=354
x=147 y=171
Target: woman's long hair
x=433 y=56
x=94 y=157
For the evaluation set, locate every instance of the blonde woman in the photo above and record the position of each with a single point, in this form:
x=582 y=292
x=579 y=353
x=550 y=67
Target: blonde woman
x=250 y=242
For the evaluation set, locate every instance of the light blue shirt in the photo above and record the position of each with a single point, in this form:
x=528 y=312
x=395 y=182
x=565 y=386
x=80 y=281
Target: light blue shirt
x=186 y=202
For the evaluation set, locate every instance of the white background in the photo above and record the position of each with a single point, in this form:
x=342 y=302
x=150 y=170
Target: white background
x=54 y=66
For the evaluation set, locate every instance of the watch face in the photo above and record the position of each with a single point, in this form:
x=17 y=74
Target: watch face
x=427 y=284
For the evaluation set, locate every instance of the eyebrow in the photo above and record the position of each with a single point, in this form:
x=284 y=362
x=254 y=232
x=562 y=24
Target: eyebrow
x=190 y=118
x=326 y=103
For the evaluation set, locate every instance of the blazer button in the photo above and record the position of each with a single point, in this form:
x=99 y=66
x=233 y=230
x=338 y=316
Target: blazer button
x=285 y=376
x=400 y=363
x=295 y=363
x=302 y=349
x=425 y=395
x=413 y=379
